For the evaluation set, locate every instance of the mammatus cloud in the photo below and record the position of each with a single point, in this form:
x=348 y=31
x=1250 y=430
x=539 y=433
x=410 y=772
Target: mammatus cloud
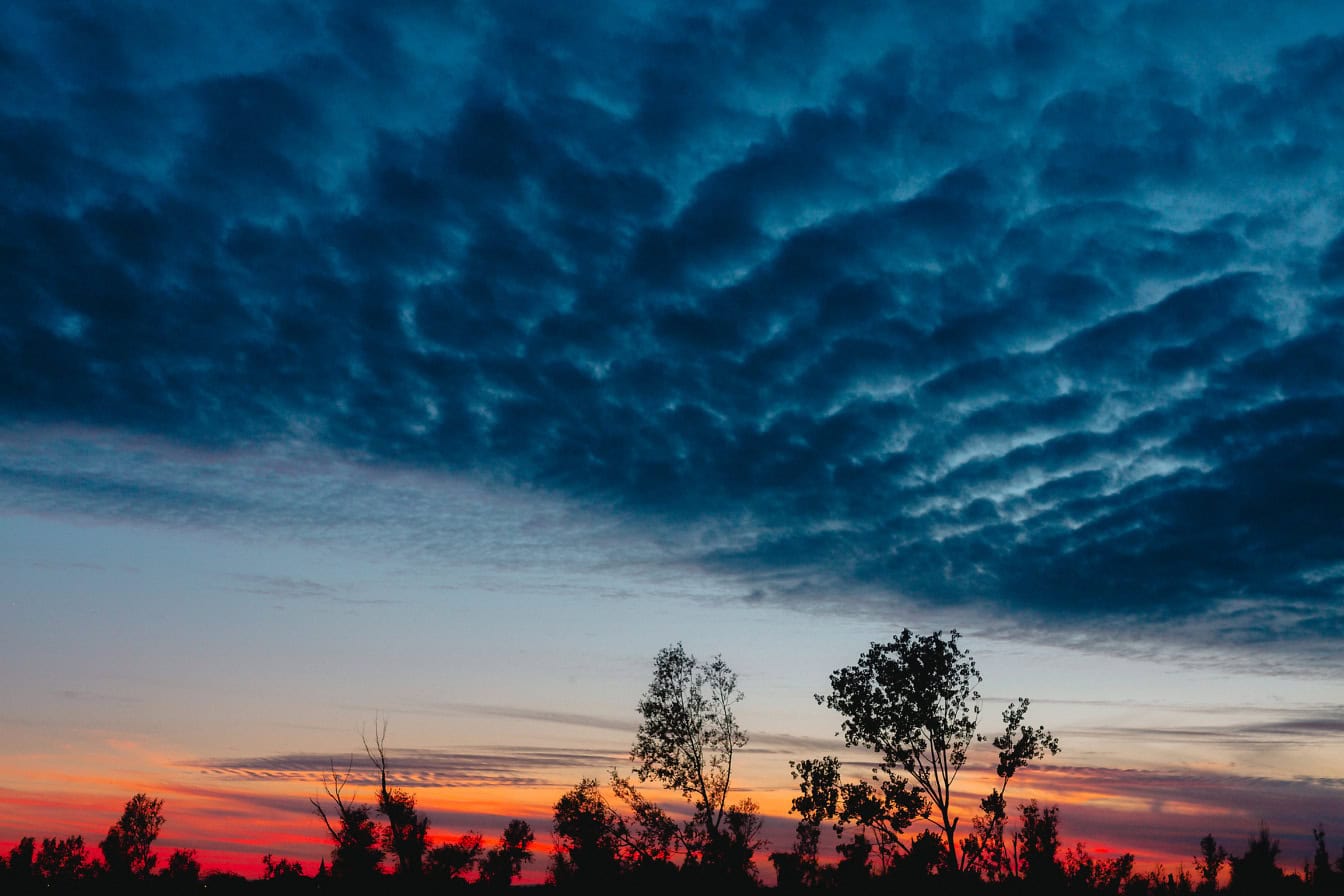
x=1034 y=309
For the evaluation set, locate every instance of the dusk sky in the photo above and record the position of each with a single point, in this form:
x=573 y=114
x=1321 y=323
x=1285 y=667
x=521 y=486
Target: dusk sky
x=441 y=362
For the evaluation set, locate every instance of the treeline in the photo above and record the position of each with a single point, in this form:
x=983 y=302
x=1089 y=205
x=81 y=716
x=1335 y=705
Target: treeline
x=912 y=702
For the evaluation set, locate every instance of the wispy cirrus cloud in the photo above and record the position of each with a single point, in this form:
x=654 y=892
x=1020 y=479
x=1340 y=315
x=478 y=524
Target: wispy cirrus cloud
x=418 y=767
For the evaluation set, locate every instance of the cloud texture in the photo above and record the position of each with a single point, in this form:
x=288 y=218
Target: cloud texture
x=1032 y=307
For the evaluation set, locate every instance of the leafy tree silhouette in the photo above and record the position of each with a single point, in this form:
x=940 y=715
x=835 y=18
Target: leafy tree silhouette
x=280 y=869
x=1209 y=863
x=1037 y=847
x=592 y=839
x=126 y=849
x=62 y=862
x=21 y=867
x=1257 y=870
x=686 y=741
x=450 y=861
x=505 y=862
x=882 y=809
x=1018 y=746
x=913 y=701
x=1104 y=877
x=183 y=867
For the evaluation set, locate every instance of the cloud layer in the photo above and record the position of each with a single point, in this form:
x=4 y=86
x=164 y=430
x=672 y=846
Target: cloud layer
x=1035 y=308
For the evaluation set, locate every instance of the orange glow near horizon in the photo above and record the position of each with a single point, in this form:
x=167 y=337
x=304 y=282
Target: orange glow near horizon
x=232 y=823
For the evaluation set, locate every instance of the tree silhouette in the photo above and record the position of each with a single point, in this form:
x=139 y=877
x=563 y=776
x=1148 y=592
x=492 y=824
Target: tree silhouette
x=62 y=861
x=126 y=849
x=183 y=867
x=355 y=853
x=1104 y=877
x=594 y=844
x=1018 y=746
x=280 y=869
x=1257 y=870
x=1037 y=847
x=450 y=861
x=913 y=701
x=1320 y=873
x=406 y=833
x=687 y=741
x=882 y=809
x=21 y=866
x=505 y=862
x=1209 y=862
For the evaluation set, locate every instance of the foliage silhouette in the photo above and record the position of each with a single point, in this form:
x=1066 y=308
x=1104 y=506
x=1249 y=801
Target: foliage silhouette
x=686 y=741
x=451 y=861
x=505 y=862
x=405 y=835
x=597 y=845
x=355 y=853
x=183 y=867
x=1257 y=869
x=913 y=701
x=689 y=734
x=126 y=849
x=1209 y=862
x=62 y=861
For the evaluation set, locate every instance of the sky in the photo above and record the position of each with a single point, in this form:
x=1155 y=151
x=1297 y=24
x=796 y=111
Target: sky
x=440 y=363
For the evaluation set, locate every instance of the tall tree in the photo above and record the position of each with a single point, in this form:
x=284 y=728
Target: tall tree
x=913 y=701
x=126 y=848
x=687 y=741
x=405 y=835
x=355 y=853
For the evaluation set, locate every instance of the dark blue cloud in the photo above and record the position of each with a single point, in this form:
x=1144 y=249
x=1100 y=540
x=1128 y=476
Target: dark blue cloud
x=1028 y=307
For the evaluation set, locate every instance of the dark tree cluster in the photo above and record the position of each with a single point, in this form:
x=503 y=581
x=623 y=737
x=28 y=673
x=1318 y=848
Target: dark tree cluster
x=913 y=702
x=361 y=845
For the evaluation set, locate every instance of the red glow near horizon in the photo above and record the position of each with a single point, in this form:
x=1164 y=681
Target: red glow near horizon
x=232 y=823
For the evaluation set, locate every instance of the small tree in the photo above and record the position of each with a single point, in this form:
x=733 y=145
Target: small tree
x=1103 y=877
x=126 y=849
x=451 y=861
x=281 y=869
x=882 y=808
x=183 y=867
x=505 y=862
x=21 y=866
x=592 y=839
x=687 y=740
x=1320 y=874
x=1037 y=846
x=1018 y=746
x=1209 y=862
